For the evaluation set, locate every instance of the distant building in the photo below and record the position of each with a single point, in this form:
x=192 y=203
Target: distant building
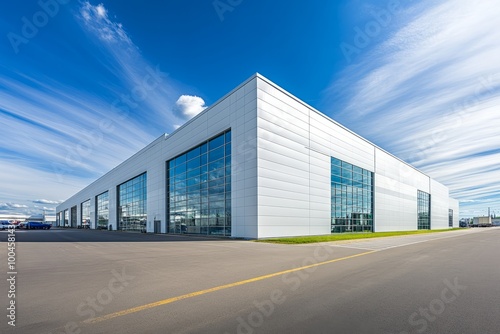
x=36 y=218
x=482 y=220
x=42 y=218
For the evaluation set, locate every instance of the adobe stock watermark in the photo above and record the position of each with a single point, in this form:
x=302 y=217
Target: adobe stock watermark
x=32 y=25
x=223 y=6
x=12 y=275
x=264 y=309
x=420 y=320
x=92 y=306
x=121 y=108
x=364 y=35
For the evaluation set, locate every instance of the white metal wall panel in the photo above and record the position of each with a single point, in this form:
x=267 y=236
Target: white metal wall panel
x=399 y=172
x=283 y=140
x=454 y=205
x=288 y=167
x=440 y=203
x=348 y=147
x=395 y=205
x=396 y=188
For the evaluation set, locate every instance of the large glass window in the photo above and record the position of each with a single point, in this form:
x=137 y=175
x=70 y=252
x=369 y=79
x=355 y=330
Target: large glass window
x=424 y=210
x=352 y=197
x=60 y=219
x=132 y=204
x=85 y=213
x=450 y=218
x=102 y=210
x=199 y=188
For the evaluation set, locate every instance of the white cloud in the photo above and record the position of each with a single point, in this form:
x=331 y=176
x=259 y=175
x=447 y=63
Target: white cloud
x=13 y=208
x=101 y=11
x=8 y=206
x=45 y=201
x=189 y=106
x=430 y=94
x=96 y=19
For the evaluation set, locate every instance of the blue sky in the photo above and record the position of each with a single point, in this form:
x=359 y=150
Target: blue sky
x=85 y=84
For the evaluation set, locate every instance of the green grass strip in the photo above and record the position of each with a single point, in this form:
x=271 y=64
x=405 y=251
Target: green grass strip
x=346 y=236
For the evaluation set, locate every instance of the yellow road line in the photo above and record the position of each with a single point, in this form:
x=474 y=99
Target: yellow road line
x=217 y=288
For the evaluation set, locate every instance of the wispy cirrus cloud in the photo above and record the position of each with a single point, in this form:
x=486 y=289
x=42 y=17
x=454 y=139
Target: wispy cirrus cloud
x=45 y=209
x=9 y=206
x=97 y=20
x=144 y=90
x=48 y=128
x=13 y=176
x=61 y=134
x=430 y=94
x=46 y=201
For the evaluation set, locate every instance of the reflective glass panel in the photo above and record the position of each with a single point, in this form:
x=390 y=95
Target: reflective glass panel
x=352 y=206
x=85 y=213
x=102 y=210
x=205 y=206
x=424 y=210
x=132 y=203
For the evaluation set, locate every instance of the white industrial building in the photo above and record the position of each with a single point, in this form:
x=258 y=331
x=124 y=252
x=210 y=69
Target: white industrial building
x=261 y=163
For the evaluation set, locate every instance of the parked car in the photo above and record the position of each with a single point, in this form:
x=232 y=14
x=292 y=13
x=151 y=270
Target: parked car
x=14 y=222
x=4 y=224
x=37 y=226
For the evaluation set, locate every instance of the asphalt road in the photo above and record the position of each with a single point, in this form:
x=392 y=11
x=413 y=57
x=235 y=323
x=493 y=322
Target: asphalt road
x=79 y=281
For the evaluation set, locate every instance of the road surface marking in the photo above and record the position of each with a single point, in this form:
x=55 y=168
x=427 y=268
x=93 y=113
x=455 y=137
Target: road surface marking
x=214 y=289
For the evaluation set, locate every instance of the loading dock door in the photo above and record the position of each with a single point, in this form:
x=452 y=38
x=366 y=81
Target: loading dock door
x=73 y=217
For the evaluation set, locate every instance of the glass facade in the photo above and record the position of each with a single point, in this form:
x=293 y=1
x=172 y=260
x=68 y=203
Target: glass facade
x=450 y=218
x=85 y=213
x=199 y=189
x=60 y=219
x=132 y=204
x=66 y=218
x=102 y=210
x=352 y=197
x=424 y=210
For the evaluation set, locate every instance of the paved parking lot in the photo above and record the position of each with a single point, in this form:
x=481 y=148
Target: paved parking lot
x=80 y=281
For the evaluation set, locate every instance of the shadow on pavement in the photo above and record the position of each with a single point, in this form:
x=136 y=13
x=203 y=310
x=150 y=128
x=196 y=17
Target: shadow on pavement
x=77 y=235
